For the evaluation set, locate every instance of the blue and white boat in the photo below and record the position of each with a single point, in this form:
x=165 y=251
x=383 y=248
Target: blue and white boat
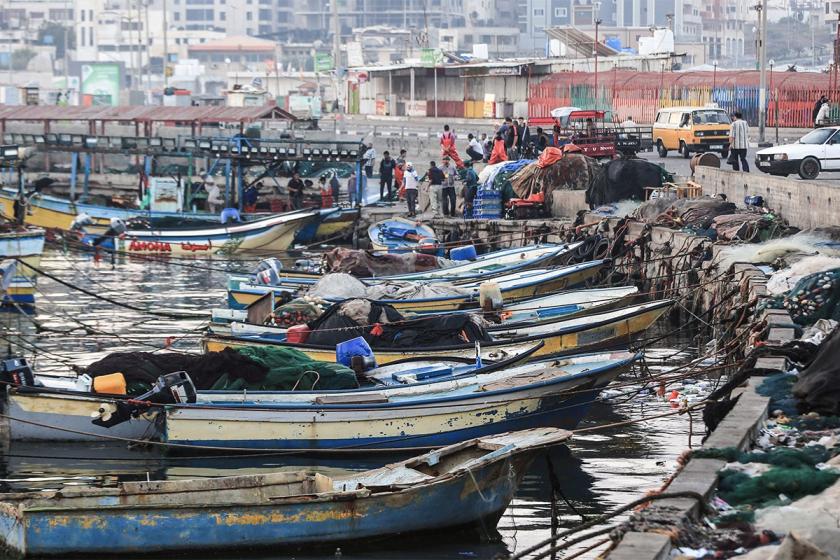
x=457 y=487
x=556 y=393
x=399 y=235
x=26 y=245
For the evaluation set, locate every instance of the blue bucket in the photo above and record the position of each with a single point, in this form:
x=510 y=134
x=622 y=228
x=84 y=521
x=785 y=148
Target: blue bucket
x=466 y=253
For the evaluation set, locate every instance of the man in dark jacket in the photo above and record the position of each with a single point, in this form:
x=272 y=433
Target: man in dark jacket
x=436 y=178
x=386 y=175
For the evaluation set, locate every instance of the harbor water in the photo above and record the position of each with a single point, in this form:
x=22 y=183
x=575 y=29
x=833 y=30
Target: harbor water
x=600 y=470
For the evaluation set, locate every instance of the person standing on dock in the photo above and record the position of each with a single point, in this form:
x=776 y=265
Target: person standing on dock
x=499 y=153
x=447 y=146
x=411 y=184
x=250 y=197
x=368 y=159
x=523 y=137
x=402 y=160
x=215 y=202
x=450 y=174
x=351 y=188
x=386 y=175
x=295 y=187
x=335 y=187
x=436 y=178
x=470 y=189
x=823 y=115
x=739 y=142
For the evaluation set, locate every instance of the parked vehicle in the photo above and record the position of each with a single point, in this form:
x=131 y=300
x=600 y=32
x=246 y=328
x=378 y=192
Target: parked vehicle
x=817 y=151
x=691 y=129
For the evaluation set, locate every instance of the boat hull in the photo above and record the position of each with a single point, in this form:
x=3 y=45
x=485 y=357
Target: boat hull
x=438 y=423
x=475 y=498
x=616 y=331
x=576 y=276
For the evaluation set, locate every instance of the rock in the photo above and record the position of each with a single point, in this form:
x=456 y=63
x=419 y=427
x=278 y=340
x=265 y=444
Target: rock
x=821 y=511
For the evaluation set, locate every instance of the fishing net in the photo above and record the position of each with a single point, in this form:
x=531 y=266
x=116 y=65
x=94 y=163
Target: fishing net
x=814 y=297
x=740 y=489
x=289 y=369
x=778 y=387
x=298 y=311
x=784 y=457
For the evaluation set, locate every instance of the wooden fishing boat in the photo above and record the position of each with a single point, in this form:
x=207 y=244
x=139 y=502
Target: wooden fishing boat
x=603 y=330
x=58 y=410
x=333 y=226
x=465 y=485
x=559 y=306
x=535 y=395
x=275 y=233
x=514 y=286
x=25 y=244
x=491 y=264
x=398 y=235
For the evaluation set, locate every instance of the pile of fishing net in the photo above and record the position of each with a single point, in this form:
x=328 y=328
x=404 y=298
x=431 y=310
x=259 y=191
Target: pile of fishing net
x=814 y=297
x=785 y=279
x=298 y=311
x=382 y=326
x=366 y=264
x=547 y=174
x=344 y=286
x=696 y=214
x=253 y=368
x=754 y=480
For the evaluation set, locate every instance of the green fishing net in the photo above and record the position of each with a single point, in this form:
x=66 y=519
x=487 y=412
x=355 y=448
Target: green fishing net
x=814 y=297
x=740 y=489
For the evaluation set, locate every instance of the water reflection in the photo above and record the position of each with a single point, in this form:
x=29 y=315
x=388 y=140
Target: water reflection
x=598 y=471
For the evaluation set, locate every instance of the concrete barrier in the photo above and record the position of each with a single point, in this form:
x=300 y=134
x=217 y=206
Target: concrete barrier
x=804 y=204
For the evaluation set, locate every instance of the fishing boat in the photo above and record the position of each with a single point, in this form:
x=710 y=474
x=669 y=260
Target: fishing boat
x=548 y=393
x=400 y=235
x=514 y=286
x=484 y=266
x=60 y=408
x=559 y=306
x=274 y=233
x=25 y=244
x=335 y=224
x=461 y=486
x=602 y=330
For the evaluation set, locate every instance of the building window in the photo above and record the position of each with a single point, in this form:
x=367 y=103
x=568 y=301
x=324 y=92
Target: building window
x=560 y=12
x=249 y=16
x=539 y=12
x=177 y=16
x=222 y=16
x=83 y=12
x=200 y=15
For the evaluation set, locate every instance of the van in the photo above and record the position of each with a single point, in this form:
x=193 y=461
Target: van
x=691 y=129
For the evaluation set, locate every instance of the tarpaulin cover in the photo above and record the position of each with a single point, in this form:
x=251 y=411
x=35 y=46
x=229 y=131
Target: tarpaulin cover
x=365 y=264
x=414 y=290
x=623 y=179
x=384 y=327
x=696 y=213
x=289 y=369
x=549 y=156
x=571 y=172
x=818 y=386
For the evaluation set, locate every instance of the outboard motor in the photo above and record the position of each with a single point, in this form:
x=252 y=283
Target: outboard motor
x=116 y=229
x=172 y=388
x=268 y=271
x=17 y=372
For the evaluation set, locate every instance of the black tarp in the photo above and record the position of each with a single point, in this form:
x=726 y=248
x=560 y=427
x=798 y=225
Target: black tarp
x=623 y=179
x=818 y=387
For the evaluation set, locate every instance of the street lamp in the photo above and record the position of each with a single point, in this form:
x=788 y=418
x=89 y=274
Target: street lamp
x=714 y=77
x=596 y=8
x=774 y=99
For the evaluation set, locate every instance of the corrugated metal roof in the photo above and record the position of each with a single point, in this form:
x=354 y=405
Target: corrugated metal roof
x=141 y=113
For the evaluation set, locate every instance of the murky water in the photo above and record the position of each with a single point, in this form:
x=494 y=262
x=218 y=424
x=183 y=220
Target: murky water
x=597 y=472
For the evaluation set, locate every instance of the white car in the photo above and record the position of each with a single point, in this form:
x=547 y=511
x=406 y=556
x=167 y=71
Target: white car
x=817 y=151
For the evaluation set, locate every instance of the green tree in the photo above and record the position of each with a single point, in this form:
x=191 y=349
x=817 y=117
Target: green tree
x=21 y=58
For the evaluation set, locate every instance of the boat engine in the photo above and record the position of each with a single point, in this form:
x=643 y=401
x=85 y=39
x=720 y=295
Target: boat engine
x=172 y=388
x=17 y=372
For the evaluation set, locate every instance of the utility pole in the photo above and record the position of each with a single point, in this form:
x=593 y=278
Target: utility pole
x=762 y=66
x=336 y=28
x=595 y=52
x=146 y=46
x=67 y=22
x=165 y=45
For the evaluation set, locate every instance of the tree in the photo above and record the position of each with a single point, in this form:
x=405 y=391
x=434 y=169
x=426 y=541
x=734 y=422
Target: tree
x=21 y=58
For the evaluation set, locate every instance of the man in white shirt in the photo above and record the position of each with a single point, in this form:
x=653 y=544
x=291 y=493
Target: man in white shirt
x=411 y=183
x=475 y=150
x=369 y=159
x=823 y=115
x=739 y=142
x=629 y=123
